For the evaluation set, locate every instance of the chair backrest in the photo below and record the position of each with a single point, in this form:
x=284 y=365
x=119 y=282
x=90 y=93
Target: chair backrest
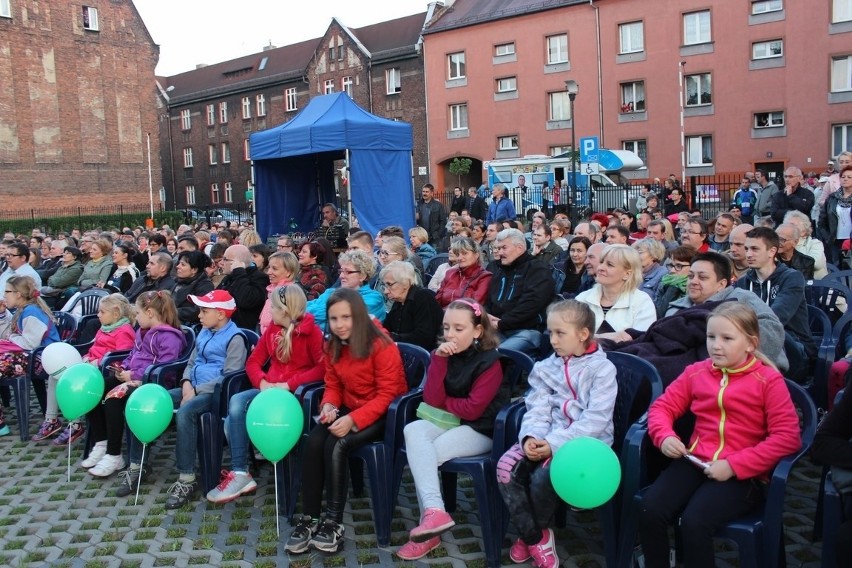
x=189 y=335
x=831 y=268
x=809 y=417
x=66 y=325
x=435 y=262
x=825 y=295
x=521 y=363
x=639 y=384
x=507 y=426
x=835 y=275
x=839 y=334
x=820 y=324
x=415 y=360
x=89 y=301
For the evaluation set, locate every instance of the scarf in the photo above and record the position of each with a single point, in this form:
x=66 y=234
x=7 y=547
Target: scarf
x=106 y=328
x=676 y=280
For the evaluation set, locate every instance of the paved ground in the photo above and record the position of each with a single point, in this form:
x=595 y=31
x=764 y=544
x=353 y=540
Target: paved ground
x=47 y=521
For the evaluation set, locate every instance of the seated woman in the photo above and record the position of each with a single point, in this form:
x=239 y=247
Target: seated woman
x=420 y=244
x=652 y=254
x=415 y=316
x=467 y=279
x=615 y=299
x=124 y=271
x=313 y=277
x=559 y=229
x=97 y=270
x=283 y=270
x=64 y=277
x=574 y=266
x=673 y=285
x=356 y=269
x=191 y=279
x=260 y=255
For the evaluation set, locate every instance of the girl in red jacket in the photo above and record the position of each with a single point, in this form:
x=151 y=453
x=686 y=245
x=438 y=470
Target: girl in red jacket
x=293 y=346
x=363 y=374
x=745 y=423
x=467 y=279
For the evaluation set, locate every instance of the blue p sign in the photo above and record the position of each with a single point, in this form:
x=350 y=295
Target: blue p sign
x=589 y=147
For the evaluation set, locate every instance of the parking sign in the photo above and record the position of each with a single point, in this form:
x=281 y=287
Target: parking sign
x=589 y=147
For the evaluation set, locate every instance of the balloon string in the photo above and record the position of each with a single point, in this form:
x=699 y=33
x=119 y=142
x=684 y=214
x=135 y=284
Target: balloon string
x=139 y=483
x=277 y=510
x=69 y=455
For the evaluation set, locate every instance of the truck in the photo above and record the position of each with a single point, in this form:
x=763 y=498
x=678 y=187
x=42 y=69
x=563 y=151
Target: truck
x=525 y=178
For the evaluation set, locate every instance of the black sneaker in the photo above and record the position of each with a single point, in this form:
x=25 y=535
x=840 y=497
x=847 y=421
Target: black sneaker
x=180 y=493
x=128 y=479
x=303 y=531
x=329 y=536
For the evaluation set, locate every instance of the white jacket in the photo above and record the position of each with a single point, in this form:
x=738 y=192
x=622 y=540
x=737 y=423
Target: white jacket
x=632 y=310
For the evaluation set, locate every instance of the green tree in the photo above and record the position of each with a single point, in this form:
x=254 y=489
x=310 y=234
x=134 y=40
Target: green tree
x=460 y=167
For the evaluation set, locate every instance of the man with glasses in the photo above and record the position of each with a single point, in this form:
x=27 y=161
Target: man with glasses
x=795 y=197
x=157 y=277
x=53 y=259
x=788 y=238
x=245 y=283
x=285 y=244
x=694 y=234
x=17 y=264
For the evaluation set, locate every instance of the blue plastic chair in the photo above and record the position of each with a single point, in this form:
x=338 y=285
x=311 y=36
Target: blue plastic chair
x=842 y=276
x=824 y=295
x=821 y=331
x=521 y=366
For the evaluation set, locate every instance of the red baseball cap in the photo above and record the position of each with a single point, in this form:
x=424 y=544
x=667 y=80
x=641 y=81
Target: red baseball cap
x=217 y=299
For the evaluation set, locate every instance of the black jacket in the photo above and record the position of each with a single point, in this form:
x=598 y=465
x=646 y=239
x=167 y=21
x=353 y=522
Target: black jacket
x=437 y=225
x=145 y=284
x=520 y=293
x=800 y=200
x=416 y=321
x=248 y=287
x=801 y=262
x=459 y=204
x=477 y=207
x=828 y=219
x=198 y=286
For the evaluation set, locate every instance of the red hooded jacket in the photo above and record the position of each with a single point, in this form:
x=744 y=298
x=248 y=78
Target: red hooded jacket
x=306 y=356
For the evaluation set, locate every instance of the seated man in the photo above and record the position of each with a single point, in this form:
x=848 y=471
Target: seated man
x=156 y=277
x=544 y=249
x=788 y=238
x=736 y=250
x=334 y=228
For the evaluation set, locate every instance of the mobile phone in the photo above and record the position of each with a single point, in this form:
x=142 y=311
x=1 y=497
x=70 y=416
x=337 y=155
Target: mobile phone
x=697 y=462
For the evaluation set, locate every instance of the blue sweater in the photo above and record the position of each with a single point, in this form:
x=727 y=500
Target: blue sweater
x=374 y=300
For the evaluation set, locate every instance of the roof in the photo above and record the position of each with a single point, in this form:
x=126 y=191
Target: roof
x=463 y=13
x=391 y=35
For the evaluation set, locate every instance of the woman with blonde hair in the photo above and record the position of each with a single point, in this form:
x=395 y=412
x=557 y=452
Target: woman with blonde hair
x=250 y=237
x=652 y=254
x=283 y=270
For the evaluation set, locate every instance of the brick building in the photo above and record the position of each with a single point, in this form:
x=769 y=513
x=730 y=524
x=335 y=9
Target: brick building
x=77 y=100
x=762 y=83
x=212 y=110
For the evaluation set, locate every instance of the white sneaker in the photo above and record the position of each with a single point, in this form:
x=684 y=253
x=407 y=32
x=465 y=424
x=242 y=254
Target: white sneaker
x=95 y=455
x=107 y=466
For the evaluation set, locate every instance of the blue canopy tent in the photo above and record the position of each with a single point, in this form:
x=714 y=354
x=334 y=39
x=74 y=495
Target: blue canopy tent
x=294 y=167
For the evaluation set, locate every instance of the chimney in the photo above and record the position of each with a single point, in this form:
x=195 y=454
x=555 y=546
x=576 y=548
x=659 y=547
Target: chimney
x=200 y=65
x=270 y=46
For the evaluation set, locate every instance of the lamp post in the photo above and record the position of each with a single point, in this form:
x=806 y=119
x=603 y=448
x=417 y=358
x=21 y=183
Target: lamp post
x=573 y=88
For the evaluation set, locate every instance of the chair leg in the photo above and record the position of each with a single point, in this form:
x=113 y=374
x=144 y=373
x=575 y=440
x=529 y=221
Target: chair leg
x=356 y=475
x=449 y=483
x=492 y=537
x=22 y=404
x=5 y=395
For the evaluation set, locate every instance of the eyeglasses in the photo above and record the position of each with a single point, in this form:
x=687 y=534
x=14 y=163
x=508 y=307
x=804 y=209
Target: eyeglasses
x=227 y=259
x=386 y=253
x=10 y=255
x=391 y=284
x=699 y=233
x=350 y=272
x=677 y=266
x=285 y=247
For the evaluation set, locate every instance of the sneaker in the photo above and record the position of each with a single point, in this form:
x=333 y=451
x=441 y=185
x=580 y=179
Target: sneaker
x=544 y=553
x=303 y=531
x=231 y=486
x=328 y=537
x=48 y=428
x=4 y=430
x=129 y=479
x=519 y=552
x=70 y=435
x=180 y=493
x=107 y=465
x=95 y=454
x=435 y=521
x=414 y=550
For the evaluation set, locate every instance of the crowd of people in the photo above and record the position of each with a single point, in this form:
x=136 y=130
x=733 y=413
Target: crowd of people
x=332 y=308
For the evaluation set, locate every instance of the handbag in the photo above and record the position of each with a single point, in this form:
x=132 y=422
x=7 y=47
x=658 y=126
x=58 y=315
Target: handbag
x=440 y=418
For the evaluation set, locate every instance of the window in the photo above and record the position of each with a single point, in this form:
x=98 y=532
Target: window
x=764 y=6
x=699 y=151
x=455 y=61
x=458 y=117
x=187 y=157
x=841 y=11
x=246 y=107
x=841 y=135
x=633 y=97
x=226 y=153
x=190 y=195
x=213 y=154
x=329 y=86
x=768 y=119
x=560 y=106
x=260 y=102
x=223 y=112
x=504 y=49
x=246 y=150
x=331 y=53
x=698 y=90
x=229 y=192
x=558 y=150
x=90 y=19
x=638 y=147
x=632 y=37
x=767 y=49
x=346 y=85
x=214 y=193
x=5 y=9
x=841 y=74
x=696 y=28
x=393 y=81
x=211 y=115
x=185 y=119
x=507 y=143
x=557 y=49
x=507 y=84
x=291 y=99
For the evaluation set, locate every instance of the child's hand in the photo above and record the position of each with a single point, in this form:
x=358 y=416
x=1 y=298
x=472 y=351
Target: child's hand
x=446 y=349
x=537 y=450
x=720 y=470
x=342 y=426
x=123 y=375
x=328 y=414
x=264 y=384
x=673 y=448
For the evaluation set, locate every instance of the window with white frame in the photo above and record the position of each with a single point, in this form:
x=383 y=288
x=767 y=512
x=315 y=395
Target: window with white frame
x=557 y=49
x=507 y=142
x=633 y=97
x=211 y=115
x=291 y=99
x=841 y=11
x=558 y=150
x=631 y=37
x=90 y=19
x=329 y=86
x=638 y=147
x=698 y=90
x=699 y=151
x=260 y=103
x=185 y=119
x=5 y=9
x=764 y=6
x=246 y=150
x=841 y=74
x=456 y=66
x=841 y=138
x=393 y=80
x=768 y=119
x=507 y=84
x=458 y=117
x=504 y=49
x=229 y=192
x=226 y=153
x=212 y=154
x=696 y=28
x=246 y=107
x=559 y=106
x=214 y=193
x=187 y=157
x=223 y=112
x=767 y=49
x=190 y=195
x=346 y=85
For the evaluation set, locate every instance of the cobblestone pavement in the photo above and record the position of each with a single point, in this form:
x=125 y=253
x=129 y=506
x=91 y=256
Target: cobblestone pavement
x=45 y=520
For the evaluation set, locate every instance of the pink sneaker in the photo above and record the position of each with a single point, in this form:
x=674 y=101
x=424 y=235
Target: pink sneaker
x=435 y=521
x=519 y=552
x=414 y=550
x=544 y=553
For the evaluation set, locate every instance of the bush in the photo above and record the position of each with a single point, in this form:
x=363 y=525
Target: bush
x=53 y=225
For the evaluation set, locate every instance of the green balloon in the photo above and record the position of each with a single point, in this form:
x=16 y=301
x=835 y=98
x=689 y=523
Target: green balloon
x=585 y=473
x=148 y=412
x=79 y=390
x=274 y=422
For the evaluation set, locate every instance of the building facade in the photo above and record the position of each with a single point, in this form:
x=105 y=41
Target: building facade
x=764 y=83
x=77 y=102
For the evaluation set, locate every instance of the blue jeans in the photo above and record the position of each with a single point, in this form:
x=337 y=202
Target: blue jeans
x=524 y=340
x=235 y=428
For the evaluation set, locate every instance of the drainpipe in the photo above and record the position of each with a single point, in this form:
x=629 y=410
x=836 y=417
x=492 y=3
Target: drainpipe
x=600 y=71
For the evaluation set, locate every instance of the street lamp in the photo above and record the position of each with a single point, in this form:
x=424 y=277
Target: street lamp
x=573 y=87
